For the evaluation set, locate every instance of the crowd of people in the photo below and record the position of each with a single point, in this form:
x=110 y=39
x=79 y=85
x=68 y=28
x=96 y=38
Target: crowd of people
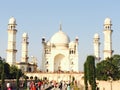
x=52 y=85
x=45 y=85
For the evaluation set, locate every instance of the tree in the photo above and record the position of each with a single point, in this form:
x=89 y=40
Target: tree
x=90 y=74
x=25 y=81
x=109 y=68
x=91 y=71
x=116 y=60
x=2 y=78
x=13 y=72
x=85 y=76
x=7 y=70
x=1 y=66
x=101 y=70
x=2 y=75
x=17 y=78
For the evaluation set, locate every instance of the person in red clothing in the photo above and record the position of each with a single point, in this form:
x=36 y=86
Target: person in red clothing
x=8 y=86
x=39 y=84
x=33 y=87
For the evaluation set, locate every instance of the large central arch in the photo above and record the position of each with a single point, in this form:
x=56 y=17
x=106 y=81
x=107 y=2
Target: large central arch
x=58 y=61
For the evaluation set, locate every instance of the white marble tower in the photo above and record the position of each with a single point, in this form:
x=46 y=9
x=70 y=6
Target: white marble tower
x=107 y=38
x=96 y=42
x=24 y=48
x=11 y=49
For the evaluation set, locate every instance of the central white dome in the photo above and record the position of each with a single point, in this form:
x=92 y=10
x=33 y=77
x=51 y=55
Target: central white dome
x=60 y=38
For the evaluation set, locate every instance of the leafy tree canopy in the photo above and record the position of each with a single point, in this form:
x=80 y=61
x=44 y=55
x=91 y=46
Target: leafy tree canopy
x=10 y=72
x=13 y=72
x=89 y=72
x=109 y=68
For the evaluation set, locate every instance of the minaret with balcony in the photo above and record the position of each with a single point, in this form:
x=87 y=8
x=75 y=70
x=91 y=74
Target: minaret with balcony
x=11 y=49
x=24 y=48
x=96 y=42
x=107 y=38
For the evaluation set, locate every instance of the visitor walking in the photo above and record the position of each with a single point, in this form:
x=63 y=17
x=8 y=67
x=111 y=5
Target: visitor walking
x=8 y=86
x=68 y=87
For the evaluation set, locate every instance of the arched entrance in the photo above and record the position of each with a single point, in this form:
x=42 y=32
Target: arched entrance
x=58 y=62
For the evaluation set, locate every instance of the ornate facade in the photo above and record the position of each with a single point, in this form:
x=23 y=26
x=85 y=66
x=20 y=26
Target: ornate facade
x=59 y=53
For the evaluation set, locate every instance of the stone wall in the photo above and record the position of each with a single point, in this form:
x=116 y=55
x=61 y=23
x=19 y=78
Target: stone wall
x=57 y=76
x=109 y=85
x=103 y=85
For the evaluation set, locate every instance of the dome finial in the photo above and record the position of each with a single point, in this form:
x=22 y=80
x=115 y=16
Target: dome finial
x=60 y=27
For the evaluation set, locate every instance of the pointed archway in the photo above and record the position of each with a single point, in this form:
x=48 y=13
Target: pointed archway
x=58 y=62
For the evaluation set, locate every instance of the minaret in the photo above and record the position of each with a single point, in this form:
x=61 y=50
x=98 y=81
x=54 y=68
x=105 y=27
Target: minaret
x=43 y=53
x=107 y=38
x=76 y=41
x=11 y=50
x=96 y=42
x=24 y=48
x=77 y=55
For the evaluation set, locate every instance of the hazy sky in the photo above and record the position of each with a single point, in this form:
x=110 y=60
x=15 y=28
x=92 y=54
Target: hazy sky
x=82 y=18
